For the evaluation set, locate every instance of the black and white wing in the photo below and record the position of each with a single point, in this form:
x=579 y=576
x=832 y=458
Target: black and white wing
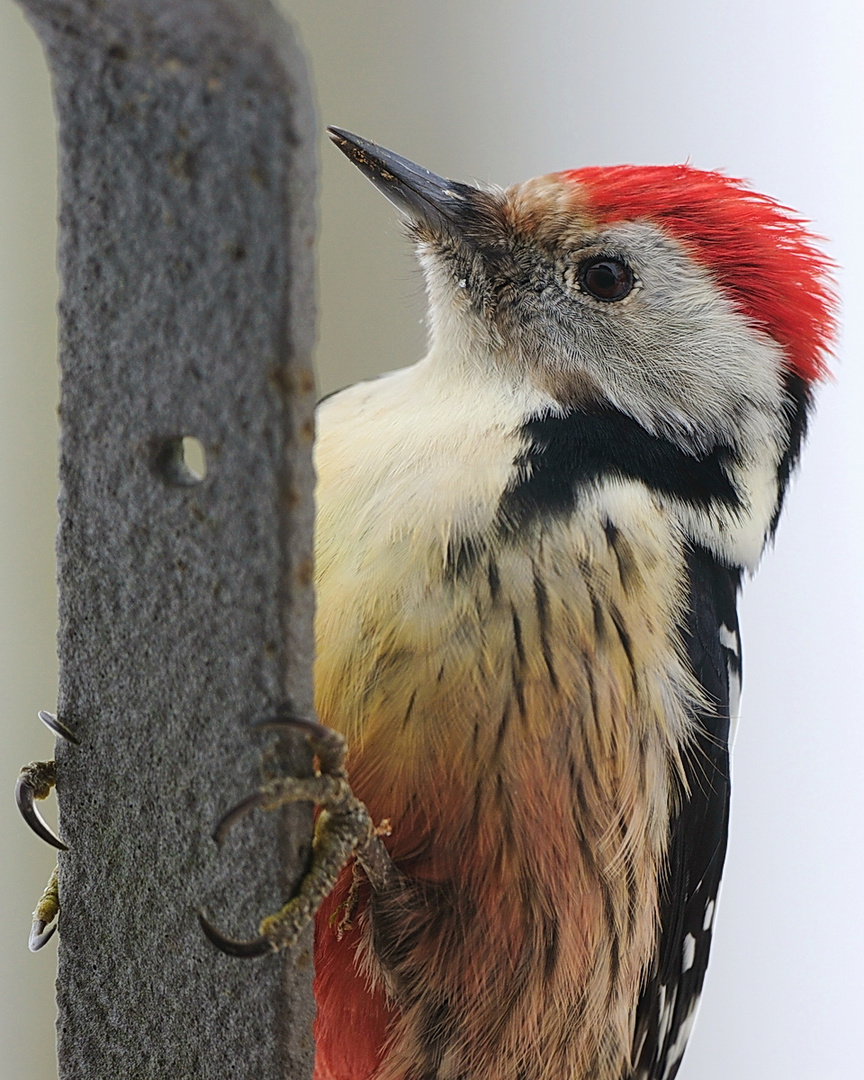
x=697 y=846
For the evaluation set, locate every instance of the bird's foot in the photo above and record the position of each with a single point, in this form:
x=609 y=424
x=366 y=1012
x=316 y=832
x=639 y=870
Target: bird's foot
x=47 y=910
x=35 y=782
x=343 y=829
x=342 y=919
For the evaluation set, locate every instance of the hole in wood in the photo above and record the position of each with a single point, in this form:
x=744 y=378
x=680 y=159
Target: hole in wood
x=182 y=461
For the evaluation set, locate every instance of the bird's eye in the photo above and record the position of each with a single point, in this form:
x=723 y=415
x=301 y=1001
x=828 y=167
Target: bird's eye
x=606 y=278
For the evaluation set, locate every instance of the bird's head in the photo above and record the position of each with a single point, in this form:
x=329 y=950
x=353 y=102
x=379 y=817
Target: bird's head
x=677 y=297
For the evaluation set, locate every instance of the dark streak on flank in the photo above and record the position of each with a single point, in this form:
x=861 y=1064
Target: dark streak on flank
x=632 y=898
x=410 y=708
x=517 y=636
x=541 y=602
x=614 y=736
x=509 y=838
x=462 y=554
x=626 y=643
x=478 y=798
x=630 y=874
x=541 y=599
x=592 y=691
x=494 y=579
x=643 y=757
x=590 y=765
x=552 y=946
x=598 y=615
x=519 y=690
x=614 y=949
x=433 y=1025
x=528 y=890
x=581 y=839
x=589 y=857
x=503 y=724
x=581 y=802
x=547 y=660
x=503 y=799
x=628 y=570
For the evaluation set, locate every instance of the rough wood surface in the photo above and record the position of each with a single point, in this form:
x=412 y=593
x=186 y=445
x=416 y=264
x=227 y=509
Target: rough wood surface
x=186 y=209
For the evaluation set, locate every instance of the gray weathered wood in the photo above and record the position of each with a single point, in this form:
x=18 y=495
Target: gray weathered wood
x=186 y=210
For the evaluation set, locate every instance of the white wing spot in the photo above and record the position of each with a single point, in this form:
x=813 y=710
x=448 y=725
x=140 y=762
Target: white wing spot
x=676 y=1050
x=728 y=639
x=734 y=705
x=688 y=953
x=709 y=916
x=667 y=1011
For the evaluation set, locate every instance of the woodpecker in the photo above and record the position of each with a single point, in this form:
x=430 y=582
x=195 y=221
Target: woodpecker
x=529 y=550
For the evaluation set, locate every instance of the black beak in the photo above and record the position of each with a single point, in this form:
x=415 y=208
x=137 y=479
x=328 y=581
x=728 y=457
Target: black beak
x=426 y=198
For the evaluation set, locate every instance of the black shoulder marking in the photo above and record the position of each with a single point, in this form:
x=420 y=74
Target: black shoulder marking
x=463 y=553
x=697 y=841
x=564 y=453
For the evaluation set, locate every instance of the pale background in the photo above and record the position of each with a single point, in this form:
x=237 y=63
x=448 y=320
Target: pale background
x=498 y=92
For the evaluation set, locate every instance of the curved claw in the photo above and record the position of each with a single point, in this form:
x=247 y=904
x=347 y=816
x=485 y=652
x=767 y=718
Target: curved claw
x=58 y=727
x=327 y=745
x=246 y=950
x=287 y=720
x=45 y=914
x=233 y=815
x=39 y=936
x=24 y=795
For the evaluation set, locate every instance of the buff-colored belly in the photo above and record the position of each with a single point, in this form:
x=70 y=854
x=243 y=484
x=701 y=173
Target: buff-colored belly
x=514 y=719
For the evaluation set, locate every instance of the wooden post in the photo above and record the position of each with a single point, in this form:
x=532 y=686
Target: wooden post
x=186 y=324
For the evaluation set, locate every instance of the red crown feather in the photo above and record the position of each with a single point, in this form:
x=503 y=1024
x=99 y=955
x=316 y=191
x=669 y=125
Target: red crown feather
x=760 y=252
